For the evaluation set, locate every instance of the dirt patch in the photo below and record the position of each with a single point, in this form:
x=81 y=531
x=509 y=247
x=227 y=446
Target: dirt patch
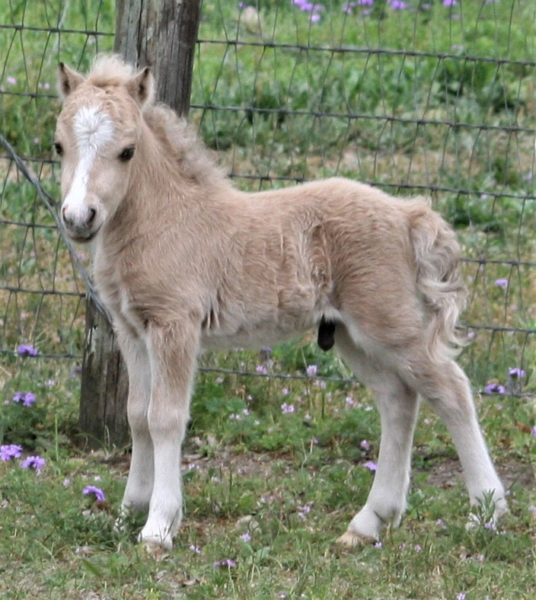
x=448 y=472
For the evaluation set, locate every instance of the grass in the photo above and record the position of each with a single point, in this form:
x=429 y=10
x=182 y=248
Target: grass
x=291 y=480
x=59 y=542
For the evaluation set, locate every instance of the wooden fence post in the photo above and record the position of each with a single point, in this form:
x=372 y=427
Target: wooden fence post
x=104 y=390
x=161 y=34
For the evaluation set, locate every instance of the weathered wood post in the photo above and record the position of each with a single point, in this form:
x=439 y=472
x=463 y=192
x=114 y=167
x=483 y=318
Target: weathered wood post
x=161 y=34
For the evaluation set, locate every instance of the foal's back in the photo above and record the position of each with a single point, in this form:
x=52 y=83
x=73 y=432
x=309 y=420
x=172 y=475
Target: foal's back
x=308 y=252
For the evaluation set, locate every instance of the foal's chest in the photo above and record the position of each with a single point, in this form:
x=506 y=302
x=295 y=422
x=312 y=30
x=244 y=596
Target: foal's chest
x=117 y=296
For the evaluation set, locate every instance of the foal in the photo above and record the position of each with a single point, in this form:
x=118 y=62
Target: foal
x=184 y=261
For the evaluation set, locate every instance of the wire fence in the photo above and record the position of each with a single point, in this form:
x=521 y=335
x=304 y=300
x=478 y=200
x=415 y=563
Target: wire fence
x=429 y=98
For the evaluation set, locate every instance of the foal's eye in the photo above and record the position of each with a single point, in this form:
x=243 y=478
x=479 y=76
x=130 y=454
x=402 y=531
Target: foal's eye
x=127 y=154
x=59 y=148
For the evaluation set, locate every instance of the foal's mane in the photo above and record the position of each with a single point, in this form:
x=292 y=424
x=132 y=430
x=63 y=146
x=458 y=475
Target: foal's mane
x=110 y=70
x=183 y=144
x=180 y=140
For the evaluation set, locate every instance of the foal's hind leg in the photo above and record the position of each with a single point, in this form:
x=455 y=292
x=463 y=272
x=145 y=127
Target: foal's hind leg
x=398 y=407
x=140 y=477
x=444 y=384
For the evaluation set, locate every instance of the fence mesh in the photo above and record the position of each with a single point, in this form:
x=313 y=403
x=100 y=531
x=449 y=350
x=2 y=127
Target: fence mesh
x=429 y=98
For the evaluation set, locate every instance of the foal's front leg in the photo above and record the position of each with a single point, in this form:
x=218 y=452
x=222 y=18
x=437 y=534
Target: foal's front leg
x=140 y=477
x=172 y=354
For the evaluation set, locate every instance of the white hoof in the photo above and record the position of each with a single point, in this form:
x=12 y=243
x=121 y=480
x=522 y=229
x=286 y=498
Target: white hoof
x=352 y=539
x=155 y=542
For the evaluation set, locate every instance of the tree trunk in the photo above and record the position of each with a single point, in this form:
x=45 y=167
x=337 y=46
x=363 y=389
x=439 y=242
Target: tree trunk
x=160 y=34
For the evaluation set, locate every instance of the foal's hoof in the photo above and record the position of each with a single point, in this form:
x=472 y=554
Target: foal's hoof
x=156 y=545
x=351 y=539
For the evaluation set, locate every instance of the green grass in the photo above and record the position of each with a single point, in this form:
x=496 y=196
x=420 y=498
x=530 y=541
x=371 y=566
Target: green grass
x=249 y=466
x=292 y=481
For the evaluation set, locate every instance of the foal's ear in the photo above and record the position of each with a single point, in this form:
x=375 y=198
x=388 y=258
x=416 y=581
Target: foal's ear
x=141 y=87
x=68 y=80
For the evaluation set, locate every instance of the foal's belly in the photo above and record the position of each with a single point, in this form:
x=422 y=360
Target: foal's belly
x=255 y=336
x=251 y=339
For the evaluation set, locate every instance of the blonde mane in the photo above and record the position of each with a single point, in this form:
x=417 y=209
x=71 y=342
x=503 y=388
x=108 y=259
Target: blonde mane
x=110 y=70
x=178 y=137
x=182 y=141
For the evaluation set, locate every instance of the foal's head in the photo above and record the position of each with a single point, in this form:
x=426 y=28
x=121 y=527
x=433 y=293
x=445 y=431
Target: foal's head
x=97 y=133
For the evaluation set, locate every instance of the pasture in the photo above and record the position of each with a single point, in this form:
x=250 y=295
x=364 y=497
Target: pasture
x=282 y=445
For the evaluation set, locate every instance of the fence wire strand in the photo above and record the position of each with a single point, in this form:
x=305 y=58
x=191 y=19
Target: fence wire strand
x=426 y=100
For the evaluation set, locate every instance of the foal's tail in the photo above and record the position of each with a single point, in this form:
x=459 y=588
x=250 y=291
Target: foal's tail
x=437 y=256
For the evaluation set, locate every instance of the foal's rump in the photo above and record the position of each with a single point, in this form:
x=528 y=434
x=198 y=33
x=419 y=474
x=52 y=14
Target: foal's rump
x=331 y=251
x=394 y=265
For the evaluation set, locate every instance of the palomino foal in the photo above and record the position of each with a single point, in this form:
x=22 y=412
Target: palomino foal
x=184 y=261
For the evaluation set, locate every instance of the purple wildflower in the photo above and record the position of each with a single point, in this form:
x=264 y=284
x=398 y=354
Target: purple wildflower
x=378 y=545
x=460 y=596
x=533 y=431
x=285 y=391
x=349 y=401
x=365 y=2
x=398 y=4
x=195 y=549
x=311 y=370
x=9 y=451
x=93 y=490
x=26 y=398
x=261 y=369
x=364 y=445
x=370 y=465
x=490 y=525
x=502 y=283
x=11 y=80
x=27 y=350
x=225 y=562
x=33 y=462
x=494 y=388
x=304 y=510
x=450 y=2
x=516 y=373
x=287 y=409
x=306 y=6
x=246 y=537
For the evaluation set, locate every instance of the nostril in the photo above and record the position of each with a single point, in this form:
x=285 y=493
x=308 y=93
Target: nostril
x=66 y=219
x=92 y=215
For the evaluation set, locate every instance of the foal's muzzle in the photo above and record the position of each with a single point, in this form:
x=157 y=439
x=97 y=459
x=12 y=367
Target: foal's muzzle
x=80 y=225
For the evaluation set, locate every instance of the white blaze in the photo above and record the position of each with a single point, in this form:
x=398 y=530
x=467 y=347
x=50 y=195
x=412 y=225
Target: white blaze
x=93 y=129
